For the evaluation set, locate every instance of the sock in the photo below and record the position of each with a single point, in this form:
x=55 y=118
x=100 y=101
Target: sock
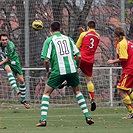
x=82 y=103
x=131 y=95
x=12 y=81
x=44 y=107
x=90 y=88
x=128 y=104
x=22 y=88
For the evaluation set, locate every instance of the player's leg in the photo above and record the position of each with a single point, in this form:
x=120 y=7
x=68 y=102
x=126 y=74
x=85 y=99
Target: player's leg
x=131 y=85
x=44 y=105
x=131 y=93
x=127 y=102
x=86 y=68
x=82 y=103
x=22 y=88
x=73 y=81
x=131 y=90
x=124 y=87
x=53 y=82
x=90 y=88
x=11 y=78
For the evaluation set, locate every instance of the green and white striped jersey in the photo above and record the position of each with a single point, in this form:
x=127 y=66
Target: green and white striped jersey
x=10 y=52
x=60 y=51
x=2 y=55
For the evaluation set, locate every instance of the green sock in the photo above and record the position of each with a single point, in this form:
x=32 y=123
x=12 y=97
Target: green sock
x=22 y=88
x=44 y=107
x=12 y=81
x=82 y=103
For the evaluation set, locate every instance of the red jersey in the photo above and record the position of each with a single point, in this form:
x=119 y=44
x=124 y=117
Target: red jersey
x=125 y=53
x=87 y=44
x=130 y=42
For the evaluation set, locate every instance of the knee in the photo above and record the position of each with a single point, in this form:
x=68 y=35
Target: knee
x=21 y=81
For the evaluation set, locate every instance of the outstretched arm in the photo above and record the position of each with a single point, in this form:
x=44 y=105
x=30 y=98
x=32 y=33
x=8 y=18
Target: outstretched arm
x=113 y=61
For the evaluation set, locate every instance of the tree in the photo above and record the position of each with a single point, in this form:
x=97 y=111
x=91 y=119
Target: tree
x=71 y=14
x=129 y=17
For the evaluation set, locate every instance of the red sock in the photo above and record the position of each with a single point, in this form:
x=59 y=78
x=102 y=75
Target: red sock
x=91 y=95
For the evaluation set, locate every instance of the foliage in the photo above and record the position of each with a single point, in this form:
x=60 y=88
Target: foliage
x=130 y=1
x=71 y=14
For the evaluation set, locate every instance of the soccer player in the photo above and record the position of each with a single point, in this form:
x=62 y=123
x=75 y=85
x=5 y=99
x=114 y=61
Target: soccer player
x=11 y=64
x=59 y=51
x=87 y=43
x=125 y=57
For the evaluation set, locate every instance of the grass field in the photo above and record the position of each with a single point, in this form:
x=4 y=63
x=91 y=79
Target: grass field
x=65 y=120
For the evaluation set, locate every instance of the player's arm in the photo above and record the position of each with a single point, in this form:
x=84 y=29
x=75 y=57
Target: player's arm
x=113 y=61
x=81 y=29
x=4 y=61
x=45 y=55
x=122 y=54
x=47 y=65
x=10 y=49
x=79 y=41
x=78 y=60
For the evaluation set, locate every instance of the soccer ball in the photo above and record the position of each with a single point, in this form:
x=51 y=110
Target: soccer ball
x=37 y=25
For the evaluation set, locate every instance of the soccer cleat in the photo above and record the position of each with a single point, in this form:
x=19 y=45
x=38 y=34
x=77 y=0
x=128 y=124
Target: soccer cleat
x=41 y=124
x=26 y=105
x=93 y=105
x=62 y=85
x=129 y=116
x=89 y=121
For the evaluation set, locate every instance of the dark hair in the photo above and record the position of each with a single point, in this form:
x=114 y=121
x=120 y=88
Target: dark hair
x=91 y=24
x=119 y=32
x=3 y=34
x=55 y=26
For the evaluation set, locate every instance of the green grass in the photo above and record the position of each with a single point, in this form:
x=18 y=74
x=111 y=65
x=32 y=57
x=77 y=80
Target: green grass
x=65 y=120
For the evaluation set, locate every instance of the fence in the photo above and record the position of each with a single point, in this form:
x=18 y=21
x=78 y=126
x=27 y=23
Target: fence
x=104 y=78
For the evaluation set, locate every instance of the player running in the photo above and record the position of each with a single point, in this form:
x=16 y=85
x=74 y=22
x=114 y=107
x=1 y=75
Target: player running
x=59 y=50
x=125 y=57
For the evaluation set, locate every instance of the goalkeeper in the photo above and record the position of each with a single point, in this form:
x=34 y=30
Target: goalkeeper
x=59 y=50
x=10 y=63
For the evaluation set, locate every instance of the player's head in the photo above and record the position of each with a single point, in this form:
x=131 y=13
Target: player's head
x=119 y=33
x=91 y=24
x=4 y=38
x=55 y=26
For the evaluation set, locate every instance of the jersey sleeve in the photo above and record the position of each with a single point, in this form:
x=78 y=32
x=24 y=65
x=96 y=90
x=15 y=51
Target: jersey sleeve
x=9 y=50
x=122 y=51
x=46 y=50
x=79 y=41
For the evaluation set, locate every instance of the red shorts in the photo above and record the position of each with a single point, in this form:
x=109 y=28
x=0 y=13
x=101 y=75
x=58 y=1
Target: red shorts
x=86 y=68
x=126 y=82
